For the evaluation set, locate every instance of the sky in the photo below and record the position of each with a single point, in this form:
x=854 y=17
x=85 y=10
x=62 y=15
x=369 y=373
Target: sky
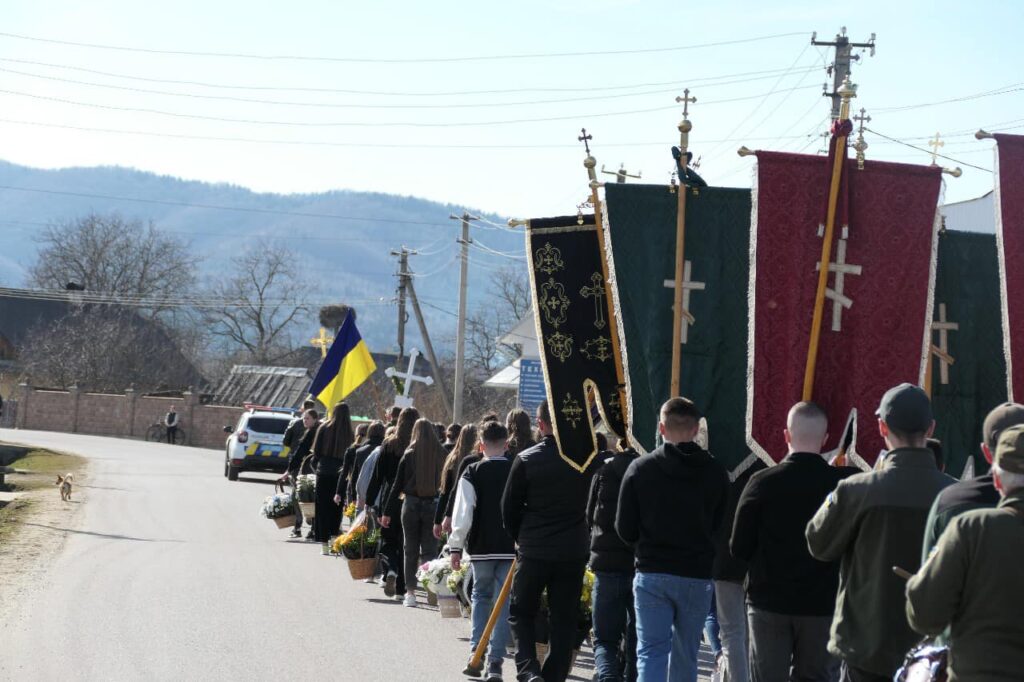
x=470 y=103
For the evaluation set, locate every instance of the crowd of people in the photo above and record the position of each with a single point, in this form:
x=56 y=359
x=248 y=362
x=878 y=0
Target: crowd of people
x=800 y=571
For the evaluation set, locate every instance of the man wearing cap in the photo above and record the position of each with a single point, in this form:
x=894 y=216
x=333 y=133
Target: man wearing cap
x=872 y=522
x=972 y=580
x=974 y=493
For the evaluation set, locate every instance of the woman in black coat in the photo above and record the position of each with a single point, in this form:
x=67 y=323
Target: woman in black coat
x=332 y=440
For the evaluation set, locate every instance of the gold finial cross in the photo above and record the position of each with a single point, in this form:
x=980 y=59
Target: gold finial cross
x=862 y=119
x=585 y=139
x=323 y=342
x=685 y=101
x=860 y=145
x=935 y=144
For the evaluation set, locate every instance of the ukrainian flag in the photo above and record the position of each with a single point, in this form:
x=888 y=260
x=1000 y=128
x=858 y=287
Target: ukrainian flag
x=347 y=365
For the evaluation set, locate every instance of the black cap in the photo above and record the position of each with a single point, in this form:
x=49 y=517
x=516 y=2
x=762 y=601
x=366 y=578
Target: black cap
x=1000 y=419
x=906 y=408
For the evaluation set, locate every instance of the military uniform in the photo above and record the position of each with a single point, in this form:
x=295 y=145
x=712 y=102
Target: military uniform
x=972 y=583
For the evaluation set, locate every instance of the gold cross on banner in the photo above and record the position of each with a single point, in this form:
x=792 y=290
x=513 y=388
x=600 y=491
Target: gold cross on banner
x=323 y=342
x=941 y=351
x=935 y=144
x=597 y=292
x=688 y=286
x=840 y=268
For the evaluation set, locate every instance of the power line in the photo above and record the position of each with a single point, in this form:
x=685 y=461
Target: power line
x=347 y=105
x=366 y=124
x=927 y=151
x=416 y=60
x=1004 y=90
x=389 y=93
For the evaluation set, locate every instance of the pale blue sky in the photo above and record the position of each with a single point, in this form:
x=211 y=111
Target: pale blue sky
x=927 y=51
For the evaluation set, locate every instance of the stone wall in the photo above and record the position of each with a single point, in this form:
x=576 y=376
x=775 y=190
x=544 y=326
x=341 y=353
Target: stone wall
x=126 y=415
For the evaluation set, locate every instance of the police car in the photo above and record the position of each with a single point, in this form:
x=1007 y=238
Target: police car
x=255 y=443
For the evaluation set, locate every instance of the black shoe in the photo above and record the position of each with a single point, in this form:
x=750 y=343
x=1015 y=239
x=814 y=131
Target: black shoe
x=296 y=533
x=389 y=584
x=493 y=672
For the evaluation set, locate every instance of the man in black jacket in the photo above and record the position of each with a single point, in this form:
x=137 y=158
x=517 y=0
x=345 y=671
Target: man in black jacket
x=544 y=510
x=611 y=560
x=671 y=505
x=791 y=595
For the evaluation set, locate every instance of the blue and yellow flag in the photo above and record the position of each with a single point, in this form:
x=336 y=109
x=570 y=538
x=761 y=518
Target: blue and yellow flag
x=347 y=365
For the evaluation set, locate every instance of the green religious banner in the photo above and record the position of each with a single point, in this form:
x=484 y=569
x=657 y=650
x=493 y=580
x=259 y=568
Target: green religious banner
x=968 y=367
x=575 y=332
x=641 y=239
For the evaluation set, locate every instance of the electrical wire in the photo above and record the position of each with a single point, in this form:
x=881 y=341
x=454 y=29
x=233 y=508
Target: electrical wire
x=416 y=60
x=362 y=124
x=349 y=105
x=926 y=151
x=1003 y=90
x=388 y=93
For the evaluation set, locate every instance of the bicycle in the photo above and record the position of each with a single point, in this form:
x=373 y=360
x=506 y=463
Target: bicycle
x=157 y=433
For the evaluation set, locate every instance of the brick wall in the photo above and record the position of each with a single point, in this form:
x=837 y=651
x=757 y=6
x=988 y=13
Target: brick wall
x=126 y=415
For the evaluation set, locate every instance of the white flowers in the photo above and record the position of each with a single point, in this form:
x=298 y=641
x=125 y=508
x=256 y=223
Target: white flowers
x=277 y=506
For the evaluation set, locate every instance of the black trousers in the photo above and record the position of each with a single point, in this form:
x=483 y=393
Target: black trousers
x=172 y=434
x=327 y=521
x=564 y=583
x=391 y=552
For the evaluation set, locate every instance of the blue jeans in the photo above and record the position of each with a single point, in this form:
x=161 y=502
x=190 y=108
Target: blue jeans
x=488 y=577
x=614 y=618
x=712 y=632
x=669 y=607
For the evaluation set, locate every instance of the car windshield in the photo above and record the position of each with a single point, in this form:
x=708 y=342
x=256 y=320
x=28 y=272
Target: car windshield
x=267 y=425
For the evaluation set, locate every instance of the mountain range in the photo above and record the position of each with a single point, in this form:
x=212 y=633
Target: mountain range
x=343 y=239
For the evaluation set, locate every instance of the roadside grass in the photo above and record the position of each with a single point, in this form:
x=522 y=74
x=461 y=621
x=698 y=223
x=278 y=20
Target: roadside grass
x=41 y=468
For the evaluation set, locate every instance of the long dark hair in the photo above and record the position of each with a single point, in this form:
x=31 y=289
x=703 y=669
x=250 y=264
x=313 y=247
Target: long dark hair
x=464 y=445
x=398 y=442
x=520 y=431
x=429 y=457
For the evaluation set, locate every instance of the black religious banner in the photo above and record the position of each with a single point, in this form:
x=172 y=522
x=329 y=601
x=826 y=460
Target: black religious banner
x=575 y=331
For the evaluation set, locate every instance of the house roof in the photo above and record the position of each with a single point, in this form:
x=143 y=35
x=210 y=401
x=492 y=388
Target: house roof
x=272 y=386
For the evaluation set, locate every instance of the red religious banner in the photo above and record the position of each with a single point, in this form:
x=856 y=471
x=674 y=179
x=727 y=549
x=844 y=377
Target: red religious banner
x=878 y=303
x=1010 y=245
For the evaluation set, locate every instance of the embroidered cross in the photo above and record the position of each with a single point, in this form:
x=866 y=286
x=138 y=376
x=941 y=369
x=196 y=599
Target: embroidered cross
x=941 y=351
x=688 y=286
x=548 y=259
x=840 y=268
x=597 y=292
x=571 y=410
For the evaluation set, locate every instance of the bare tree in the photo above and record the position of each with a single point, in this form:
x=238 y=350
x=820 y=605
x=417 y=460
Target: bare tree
x=106 y=348
x=510 y=287
x=109 y=254
x=259 y=303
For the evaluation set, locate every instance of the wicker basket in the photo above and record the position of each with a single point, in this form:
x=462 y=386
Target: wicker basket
x=308 y=509
x=285 y=521
x=448 y=606
x=361 y=569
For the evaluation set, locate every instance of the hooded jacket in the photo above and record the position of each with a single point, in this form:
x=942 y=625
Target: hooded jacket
x=671 y=505
x=607 y=550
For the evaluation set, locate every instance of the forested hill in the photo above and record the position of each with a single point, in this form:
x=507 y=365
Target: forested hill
x=346 y=256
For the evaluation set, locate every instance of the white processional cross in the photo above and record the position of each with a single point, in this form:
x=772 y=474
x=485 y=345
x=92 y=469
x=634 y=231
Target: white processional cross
x=840 y=268
x=941 y=351
x=407 y=377
x=688 y=286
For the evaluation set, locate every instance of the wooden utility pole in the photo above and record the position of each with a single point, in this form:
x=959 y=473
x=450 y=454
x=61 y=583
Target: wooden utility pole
x=840 y=68
x=460 y=343
x=403 y=279
x=436 y=368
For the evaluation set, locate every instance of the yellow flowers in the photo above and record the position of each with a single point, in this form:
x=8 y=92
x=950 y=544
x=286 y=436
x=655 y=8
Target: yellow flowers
x=350 y=511
x=353 y=536
x=586 y=596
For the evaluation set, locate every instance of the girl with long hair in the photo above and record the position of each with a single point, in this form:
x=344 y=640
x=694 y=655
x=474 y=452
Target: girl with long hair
x=382 y=481
x=520 y=432
x=414 y=497
x=465 y=445
x=333 y=438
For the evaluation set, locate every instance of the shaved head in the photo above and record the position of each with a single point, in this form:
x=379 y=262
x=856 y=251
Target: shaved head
x=806 y=428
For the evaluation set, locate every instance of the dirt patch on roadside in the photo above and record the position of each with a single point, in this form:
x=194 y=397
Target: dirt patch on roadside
x=26 y=551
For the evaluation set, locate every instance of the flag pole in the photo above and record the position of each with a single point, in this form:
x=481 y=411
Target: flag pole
x=590 y=163
x=847 y=91
x=677 y=301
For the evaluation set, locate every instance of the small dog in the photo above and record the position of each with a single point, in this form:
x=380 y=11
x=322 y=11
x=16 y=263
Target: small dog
x=65 y=486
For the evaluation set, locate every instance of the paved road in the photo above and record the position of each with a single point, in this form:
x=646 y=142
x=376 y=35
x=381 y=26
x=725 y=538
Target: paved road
x=170 y=574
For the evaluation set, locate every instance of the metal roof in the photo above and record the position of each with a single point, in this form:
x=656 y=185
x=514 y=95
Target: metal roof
x=272 y=386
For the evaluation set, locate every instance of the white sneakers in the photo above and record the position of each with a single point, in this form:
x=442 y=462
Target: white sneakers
x=410 y=600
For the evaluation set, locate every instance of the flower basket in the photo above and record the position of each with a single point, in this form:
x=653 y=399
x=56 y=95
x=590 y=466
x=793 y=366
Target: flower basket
x=308 y=509
x=284 y=521
x=448 y=606
x=361 y=569
x=433 y=576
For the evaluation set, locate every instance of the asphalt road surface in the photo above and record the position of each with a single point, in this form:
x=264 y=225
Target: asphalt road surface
x=169 y=573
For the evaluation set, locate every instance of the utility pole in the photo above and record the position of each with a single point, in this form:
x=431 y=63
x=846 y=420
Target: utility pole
x=840 y=68
x=403 y=279
x=460 y=343
x=435 y=368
